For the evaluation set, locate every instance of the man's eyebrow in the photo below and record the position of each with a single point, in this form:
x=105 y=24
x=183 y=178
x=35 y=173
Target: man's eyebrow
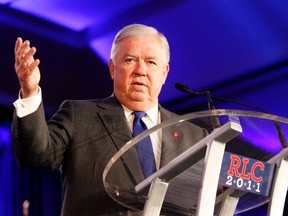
x=129 y=55
x=154 y=58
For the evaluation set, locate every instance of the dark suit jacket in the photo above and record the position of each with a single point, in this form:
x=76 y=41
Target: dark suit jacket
x=80 y=139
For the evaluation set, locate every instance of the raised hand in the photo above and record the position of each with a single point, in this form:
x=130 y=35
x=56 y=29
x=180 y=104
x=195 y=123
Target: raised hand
x=26 y=68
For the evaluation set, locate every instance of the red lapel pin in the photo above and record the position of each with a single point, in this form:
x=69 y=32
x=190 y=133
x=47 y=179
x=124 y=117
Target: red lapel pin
x=175 y=135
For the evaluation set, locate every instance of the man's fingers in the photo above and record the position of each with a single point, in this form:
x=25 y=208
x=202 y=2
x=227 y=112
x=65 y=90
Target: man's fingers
x=23 y=50
x=29 y=54
x=18 y=43
x=21 y=47
x=33 y=65
x=27 y=69
x=24 y=56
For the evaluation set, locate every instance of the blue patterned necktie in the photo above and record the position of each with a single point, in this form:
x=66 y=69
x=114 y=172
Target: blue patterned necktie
x=144 y=146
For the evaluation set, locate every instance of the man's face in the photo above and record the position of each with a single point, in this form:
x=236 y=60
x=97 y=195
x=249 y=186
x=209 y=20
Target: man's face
x=139 y=71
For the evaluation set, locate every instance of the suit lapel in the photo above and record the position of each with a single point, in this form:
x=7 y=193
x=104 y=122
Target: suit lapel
x=114 y=121
x=170 y=144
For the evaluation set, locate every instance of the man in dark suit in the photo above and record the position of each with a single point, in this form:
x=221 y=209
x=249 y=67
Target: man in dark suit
x=82 y=136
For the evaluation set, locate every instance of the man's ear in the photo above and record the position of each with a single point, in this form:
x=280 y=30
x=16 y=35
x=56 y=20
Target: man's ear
x=111 y=68
x=167 y=68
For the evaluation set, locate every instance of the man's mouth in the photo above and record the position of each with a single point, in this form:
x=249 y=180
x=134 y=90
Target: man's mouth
x=138 y=84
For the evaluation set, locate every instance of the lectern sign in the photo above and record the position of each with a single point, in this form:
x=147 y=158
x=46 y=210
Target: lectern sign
x=246 y=174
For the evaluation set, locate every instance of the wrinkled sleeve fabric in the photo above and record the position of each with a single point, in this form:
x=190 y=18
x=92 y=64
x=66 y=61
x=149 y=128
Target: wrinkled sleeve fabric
x=39 y=144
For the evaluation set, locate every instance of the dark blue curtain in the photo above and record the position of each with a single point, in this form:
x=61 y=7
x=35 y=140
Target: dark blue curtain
x=41 y=188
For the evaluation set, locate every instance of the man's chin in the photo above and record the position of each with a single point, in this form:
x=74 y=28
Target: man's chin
x=139 y=96
x=139 y=99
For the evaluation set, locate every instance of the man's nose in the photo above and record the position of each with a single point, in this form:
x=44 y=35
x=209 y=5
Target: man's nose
x=141 y=68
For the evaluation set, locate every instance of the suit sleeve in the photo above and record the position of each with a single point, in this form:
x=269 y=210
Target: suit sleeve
x=39 y=144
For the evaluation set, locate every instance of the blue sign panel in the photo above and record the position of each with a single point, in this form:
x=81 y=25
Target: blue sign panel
x=246 y=174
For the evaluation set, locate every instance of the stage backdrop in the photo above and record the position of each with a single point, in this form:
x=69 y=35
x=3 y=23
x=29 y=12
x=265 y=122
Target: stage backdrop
x=41 y=188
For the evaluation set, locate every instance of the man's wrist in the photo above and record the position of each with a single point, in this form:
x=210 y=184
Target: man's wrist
x=28 y=94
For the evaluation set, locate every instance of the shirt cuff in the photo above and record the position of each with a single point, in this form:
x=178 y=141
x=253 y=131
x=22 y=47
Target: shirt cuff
x=29 y=105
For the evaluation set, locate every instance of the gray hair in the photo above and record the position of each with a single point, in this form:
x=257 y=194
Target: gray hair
x=139 y=30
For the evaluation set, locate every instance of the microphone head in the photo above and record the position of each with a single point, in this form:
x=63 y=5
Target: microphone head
x=185 y=88
x=182 y=87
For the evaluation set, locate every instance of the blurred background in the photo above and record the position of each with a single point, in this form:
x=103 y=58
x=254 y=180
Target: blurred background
x=235 y=49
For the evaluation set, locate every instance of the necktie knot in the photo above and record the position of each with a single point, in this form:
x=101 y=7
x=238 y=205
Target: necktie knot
x=139 y=114
x=138 y=124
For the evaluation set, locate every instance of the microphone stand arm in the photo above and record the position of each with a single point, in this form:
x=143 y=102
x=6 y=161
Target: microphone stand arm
x=277 y=126
x=214 y=119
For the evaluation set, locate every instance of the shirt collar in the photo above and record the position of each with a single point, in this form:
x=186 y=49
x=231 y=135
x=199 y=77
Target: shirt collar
x=151 y=113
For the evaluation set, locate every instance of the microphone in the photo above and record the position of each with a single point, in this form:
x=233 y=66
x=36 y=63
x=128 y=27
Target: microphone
x=185 y=88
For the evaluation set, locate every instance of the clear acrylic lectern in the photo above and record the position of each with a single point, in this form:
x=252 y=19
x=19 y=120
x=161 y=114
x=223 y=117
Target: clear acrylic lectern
x=233 y=168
